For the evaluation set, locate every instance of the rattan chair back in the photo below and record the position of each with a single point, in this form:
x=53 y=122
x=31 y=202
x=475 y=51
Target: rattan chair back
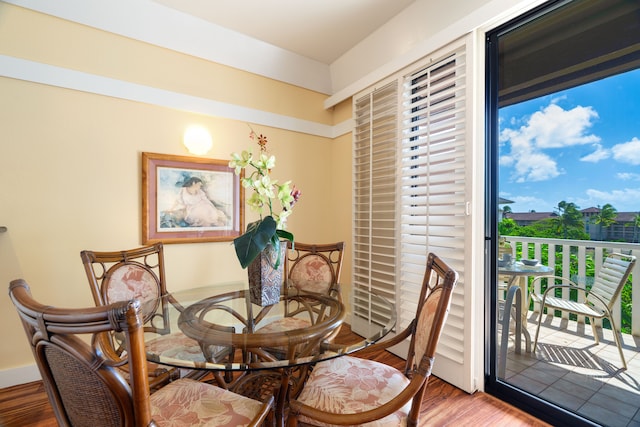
x=84 y=388
x=314 y=263
x=139 y=274
x=314 y=268
x=431 y=314
x=128 y=274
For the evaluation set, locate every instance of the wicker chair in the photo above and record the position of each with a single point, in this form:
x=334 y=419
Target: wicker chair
x=598 y=301
x=310 y=268
x=85 y=389
x=139 y=274
x=355 y=391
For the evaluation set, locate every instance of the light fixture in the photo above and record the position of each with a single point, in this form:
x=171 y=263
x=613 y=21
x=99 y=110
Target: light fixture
x=197 y=140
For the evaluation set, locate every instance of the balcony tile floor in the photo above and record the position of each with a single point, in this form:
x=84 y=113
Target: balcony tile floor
x=568 y=368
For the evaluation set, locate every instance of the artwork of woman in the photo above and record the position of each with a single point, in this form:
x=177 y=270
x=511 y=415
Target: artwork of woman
x=199 y=211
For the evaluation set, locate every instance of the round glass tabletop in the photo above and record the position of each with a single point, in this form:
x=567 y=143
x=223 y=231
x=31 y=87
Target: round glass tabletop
x=218 y=328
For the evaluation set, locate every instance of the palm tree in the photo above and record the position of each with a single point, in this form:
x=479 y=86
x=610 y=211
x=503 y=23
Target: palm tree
x=506 y=210
x=568 y=217
x=606 y=217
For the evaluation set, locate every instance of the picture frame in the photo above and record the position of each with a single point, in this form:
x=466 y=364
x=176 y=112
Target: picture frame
x=190 y=200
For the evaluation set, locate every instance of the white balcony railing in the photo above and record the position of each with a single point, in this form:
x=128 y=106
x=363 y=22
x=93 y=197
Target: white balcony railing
x=559 y=251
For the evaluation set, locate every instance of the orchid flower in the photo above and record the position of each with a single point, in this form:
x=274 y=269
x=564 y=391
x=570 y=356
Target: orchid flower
x=270 y=228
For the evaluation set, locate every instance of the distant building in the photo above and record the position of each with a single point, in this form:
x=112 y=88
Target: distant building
x=528 y=218
x=623 y=229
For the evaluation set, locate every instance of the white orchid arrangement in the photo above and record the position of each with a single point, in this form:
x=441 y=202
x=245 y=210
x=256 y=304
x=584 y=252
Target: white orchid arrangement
x=266 y=195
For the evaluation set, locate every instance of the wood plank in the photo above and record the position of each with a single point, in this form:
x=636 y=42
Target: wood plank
x=26 y=405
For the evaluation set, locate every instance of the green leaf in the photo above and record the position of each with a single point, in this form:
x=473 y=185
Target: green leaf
x=275 y=242
x=257 y=237
x=284 y=235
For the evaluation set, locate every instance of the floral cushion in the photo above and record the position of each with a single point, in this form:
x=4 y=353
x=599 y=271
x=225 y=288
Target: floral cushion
x=311 y=273
x=176 y=346
x=187 y=402
x=132 y=281
x=349 y=385
x=284 y=324
x=425 y=323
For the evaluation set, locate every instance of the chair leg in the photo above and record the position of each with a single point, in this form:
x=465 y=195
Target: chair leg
x=514 y=292
x=616 y=337
x=592 y=321
x=535 y=340
x=292 y=421
x=504 y=341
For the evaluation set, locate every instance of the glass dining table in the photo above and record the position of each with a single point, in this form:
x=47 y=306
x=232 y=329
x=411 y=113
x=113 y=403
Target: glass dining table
x=252 y=350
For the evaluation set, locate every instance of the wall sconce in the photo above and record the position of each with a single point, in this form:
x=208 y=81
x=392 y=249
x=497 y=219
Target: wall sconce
x=197 y=140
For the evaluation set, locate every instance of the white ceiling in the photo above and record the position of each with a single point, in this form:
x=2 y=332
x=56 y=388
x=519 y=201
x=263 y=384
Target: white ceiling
x=322 y=30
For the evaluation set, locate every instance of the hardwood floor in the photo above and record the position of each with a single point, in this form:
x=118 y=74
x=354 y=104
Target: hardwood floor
x=26 y=405
x=443 y=404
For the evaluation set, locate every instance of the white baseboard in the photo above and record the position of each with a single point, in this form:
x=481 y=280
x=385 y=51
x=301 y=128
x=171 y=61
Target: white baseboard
x=21 y=375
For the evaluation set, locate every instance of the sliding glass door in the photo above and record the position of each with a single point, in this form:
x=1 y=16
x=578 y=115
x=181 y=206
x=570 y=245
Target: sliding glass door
x=563 y=156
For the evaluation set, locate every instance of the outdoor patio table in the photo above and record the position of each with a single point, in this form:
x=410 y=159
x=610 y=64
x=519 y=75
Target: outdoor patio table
x=517 y=270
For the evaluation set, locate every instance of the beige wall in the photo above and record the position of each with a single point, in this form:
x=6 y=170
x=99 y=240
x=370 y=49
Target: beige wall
x=70 y=168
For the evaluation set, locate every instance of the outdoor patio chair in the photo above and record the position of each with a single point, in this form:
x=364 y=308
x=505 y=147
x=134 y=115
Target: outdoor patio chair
x=351 y=390
x=594 y=303
x=85 y=388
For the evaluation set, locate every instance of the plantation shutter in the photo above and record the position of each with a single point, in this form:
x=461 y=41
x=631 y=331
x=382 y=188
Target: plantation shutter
x=411 y=185
x=374 y=239
x=433 y=207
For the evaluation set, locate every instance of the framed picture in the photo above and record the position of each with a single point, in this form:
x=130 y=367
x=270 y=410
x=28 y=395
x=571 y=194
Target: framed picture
x=186 y=200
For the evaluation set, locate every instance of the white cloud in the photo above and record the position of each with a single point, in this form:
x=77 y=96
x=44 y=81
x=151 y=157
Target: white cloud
x=527 y=204
x=624 y=199
x=628 y=176
x=551 y=127
x=558 y=99
x=554 y=127
x=627 y=152
x=506 y=160
x=536 y=167
x=600 y=154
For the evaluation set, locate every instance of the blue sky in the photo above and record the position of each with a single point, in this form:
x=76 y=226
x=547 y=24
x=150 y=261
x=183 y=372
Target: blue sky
x=580 y=145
